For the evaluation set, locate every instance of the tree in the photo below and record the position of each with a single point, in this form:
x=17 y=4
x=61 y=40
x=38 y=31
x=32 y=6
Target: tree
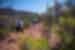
x=68 y=3
x=71 y=4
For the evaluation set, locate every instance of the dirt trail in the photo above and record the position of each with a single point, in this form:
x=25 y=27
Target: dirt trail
x=34 y=31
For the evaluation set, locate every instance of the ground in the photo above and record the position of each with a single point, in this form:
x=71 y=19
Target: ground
x=34 y=31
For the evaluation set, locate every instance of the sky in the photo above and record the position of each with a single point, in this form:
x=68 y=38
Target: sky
x=38 y=6
x=31 y=5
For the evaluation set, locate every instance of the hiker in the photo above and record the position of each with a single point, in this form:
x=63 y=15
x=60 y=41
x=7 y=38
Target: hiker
x=19 y=25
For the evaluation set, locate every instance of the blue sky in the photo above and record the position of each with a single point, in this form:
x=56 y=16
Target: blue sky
x=38 y=6
x=31 y=5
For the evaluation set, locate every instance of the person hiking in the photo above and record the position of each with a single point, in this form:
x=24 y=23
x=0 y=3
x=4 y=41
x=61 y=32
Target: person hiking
x=19 y=25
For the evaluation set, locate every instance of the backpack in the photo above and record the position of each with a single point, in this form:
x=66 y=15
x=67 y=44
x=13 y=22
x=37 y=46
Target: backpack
x=19 y=23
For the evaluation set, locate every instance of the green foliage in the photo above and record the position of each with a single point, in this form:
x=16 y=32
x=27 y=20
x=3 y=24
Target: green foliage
x=38 y=44
x=27 y=21
x=68 y=23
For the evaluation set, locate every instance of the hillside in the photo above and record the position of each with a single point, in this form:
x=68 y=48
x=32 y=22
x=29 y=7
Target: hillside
x=8 y=16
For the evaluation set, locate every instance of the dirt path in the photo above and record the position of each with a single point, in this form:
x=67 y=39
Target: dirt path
x=35 y=31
